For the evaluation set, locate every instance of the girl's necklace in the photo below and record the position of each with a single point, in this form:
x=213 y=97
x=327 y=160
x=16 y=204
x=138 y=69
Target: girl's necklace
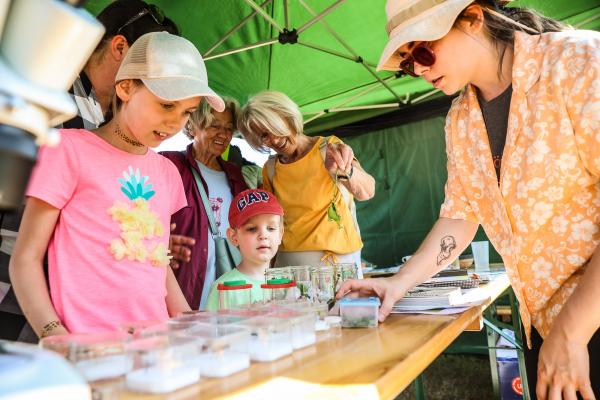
x=126 y=138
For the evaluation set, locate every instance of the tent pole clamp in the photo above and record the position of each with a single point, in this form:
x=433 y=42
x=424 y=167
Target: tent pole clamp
x=288 y=36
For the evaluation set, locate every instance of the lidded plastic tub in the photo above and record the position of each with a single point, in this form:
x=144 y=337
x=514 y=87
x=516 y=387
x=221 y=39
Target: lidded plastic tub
x=225 y=348
x=302 y=325
x=270 y=338
x=163 y=364
x=98 y=357
x=359 y=312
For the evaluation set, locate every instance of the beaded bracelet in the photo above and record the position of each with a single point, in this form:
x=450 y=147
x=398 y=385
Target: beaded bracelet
x=49 y=327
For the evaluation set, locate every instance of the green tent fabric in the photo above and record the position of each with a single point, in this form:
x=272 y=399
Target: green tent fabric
x=407 y=161
x=317 y=80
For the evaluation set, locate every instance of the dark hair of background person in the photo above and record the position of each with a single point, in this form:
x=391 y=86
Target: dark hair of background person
x=503 y=33
x=116 y=15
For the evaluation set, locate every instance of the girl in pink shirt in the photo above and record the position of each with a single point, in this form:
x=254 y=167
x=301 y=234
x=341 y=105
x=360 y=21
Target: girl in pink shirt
x=101 y=202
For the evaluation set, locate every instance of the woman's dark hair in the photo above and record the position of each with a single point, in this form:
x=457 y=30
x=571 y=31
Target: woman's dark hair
x=502 y=32
x=132 y=19
x=115 y=104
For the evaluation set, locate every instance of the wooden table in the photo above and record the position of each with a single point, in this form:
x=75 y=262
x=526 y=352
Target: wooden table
x=360 y=363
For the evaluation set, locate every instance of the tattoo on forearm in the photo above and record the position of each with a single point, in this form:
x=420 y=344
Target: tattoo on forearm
x=446 y=246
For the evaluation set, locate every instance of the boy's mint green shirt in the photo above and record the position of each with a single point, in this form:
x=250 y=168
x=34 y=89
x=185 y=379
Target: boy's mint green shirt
x=212 y=302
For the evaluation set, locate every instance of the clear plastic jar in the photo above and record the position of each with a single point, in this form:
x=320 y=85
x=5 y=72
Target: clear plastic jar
x=323 y=281
x=233 y=294
x=279 y=273
x=279 y=289
x=302 y=274
x=344 y=271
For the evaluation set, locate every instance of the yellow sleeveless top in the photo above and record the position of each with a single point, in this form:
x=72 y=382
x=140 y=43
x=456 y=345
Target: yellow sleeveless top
x=305 y=189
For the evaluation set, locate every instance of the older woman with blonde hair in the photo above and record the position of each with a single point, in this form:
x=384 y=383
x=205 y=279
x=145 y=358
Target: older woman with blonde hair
x=211 y=132
x=316 y=180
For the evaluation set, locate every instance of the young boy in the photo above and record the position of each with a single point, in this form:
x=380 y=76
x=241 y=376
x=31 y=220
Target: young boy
x=256 y=228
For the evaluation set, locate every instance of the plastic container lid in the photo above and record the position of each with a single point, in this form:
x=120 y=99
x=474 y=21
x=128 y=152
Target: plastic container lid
x=278 y=284
x=234 y=285
x=360 y=301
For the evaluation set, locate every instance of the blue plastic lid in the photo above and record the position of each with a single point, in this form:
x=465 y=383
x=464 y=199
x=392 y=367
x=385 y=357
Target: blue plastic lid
x=360 y=301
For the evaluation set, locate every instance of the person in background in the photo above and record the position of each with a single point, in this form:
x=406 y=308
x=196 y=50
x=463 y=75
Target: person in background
x=125 y=21
x=523 y=146
x=211 y=132
x=307 y=175
x=256 y=228
x=251 y=172
x=101 y=202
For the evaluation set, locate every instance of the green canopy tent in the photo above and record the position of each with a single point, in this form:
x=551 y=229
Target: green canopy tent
x=396 y=122
x=322 y=53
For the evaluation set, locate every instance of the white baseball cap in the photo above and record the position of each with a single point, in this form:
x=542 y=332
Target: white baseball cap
x=171 y=68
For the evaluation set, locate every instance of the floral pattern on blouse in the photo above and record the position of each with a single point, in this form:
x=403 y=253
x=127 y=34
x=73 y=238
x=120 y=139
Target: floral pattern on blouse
x=544 y=216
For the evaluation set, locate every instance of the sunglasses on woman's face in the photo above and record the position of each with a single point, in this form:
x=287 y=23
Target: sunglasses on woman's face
x=421 y=54
x=155 y=12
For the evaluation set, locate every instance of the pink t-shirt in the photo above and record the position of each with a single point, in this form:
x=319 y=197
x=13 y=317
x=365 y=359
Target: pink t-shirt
x=108 y=255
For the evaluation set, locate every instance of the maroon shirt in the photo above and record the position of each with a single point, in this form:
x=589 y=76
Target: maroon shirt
x=192 y=221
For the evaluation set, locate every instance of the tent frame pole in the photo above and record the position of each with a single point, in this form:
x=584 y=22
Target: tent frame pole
x=243 y=48
x=243 y=22
x=320 y=16
x=343 y=43
x=264 y=14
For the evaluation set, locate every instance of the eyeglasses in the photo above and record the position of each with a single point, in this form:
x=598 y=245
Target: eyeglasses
x=421 y=54
x=156 y=13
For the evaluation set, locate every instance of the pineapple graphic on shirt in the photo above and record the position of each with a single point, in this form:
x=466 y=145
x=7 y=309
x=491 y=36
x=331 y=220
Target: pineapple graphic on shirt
x=140 y=226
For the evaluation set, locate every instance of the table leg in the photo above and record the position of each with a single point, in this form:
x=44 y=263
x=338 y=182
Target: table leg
x=492 y=338
x=419 y=391
x=516 y=320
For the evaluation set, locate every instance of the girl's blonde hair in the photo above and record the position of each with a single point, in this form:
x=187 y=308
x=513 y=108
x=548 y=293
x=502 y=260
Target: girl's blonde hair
x=203 y=116
x=271 y=112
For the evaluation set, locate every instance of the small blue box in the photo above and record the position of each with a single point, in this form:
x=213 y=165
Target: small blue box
x=359 y=312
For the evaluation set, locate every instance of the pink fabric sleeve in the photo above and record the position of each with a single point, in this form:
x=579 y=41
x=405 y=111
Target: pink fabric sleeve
x=55 y=175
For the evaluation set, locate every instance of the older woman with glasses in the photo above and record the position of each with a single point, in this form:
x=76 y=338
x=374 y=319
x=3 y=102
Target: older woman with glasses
x=211 y=132
x=316 y=180
x=523 y=145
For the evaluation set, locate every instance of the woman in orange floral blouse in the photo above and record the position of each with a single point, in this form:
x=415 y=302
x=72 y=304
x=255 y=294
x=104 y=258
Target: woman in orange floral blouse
x=523 y=146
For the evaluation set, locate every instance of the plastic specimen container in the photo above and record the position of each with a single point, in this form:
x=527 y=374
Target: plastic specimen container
x=145 y=328
x=302 y=274
x=234 y=293
x=98 y=357
x=302 y=325
x=278 y=273
x=323 y=282
x=225 y=348
x=270 y=338
x=279 y=289
x=359 y=312
x=163 y=364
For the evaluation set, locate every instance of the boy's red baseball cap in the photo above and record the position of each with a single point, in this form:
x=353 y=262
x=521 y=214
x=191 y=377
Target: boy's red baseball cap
x=252 y=202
